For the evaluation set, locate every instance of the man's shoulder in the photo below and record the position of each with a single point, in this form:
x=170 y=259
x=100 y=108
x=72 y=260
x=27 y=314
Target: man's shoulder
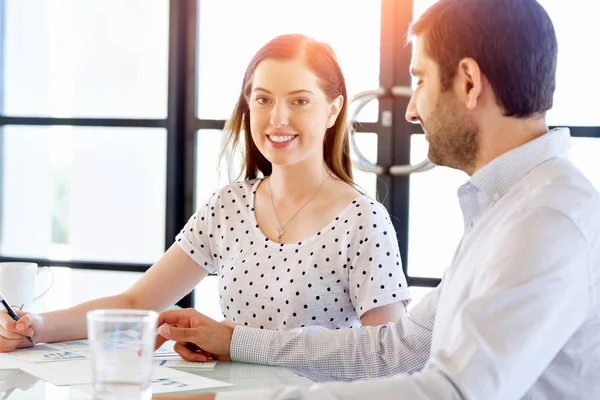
x=560 y=186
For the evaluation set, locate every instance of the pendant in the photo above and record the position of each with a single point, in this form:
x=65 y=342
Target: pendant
x=280 y=232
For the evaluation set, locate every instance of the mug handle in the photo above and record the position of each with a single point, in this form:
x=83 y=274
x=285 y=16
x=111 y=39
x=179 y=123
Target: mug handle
x=40 y=270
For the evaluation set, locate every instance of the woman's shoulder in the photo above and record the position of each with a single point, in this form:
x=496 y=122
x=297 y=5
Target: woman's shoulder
x=234 y=189
x=365 y=211
x=235 y=193
x=240 y=187
x=367 y=207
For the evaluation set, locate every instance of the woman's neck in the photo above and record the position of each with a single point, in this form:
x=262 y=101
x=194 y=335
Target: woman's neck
x=296 y=183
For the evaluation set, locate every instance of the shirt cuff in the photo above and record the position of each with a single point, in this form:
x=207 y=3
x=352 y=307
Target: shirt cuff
x=251 y=345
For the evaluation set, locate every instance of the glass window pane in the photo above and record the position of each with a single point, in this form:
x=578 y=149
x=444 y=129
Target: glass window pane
x=83 y=193
x=367 y=145
x=101 y=58
x=353 y=33
x=417 y=293
x=435 y=220
x=419 y=6
x=208 y=176
x=584 y=154
x=577 y=79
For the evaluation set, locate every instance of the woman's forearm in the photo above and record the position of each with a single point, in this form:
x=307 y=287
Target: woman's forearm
x=71 y=323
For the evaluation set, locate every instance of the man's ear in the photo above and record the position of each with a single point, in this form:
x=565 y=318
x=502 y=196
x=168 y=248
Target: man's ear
x=334 y=110
x=469 y=82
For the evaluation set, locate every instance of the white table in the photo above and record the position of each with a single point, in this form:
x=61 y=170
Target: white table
x=22 y=386
x=75 y=286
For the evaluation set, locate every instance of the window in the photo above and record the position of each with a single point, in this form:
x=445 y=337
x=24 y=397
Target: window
x=83 y=144
x=577 y=83
x=84 y=193
x=101 y=58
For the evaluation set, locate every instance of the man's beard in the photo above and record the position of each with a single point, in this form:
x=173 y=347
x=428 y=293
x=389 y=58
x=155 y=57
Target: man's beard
x=453 y=135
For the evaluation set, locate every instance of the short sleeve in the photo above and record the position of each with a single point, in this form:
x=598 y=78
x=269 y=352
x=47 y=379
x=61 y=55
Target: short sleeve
x=194 y=238
x=376 y=277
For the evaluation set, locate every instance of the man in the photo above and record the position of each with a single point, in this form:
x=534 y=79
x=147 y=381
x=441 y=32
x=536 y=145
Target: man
x=517 y=314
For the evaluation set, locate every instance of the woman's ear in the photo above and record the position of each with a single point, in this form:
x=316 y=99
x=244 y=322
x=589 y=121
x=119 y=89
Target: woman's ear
x=334 y=110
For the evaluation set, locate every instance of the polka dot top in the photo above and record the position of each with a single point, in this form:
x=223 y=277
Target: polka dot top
x=330 y=279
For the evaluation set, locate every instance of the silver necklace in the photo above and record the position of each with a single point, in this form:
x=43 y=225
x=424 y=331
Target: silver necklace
x=280 y=230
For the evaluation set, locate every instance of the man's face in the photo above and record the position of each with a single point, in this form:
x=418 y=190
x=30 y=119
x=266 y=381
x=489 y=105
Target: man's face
x=450 y=129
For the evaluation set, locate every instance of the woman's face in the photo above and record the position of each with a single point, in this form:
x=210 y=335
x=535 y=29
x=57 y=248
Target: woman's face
x=289 y=112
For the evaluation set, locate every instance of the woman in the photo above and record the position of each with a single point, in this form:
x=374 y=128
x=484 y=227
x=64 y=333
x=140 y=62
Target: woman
x=301 y=246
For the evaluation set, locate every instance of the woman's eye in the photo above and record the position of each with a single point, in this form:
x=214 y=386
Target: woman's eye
x=262 y=100
x=301 y=102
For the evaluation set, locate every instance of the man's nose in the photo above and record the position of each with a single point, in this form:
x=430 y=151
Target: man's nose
x=412 y=114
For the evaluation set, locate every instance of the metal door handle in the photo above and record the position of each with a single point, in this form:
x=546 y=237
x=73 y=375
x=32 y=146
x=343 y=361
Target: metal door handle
x=363 y=163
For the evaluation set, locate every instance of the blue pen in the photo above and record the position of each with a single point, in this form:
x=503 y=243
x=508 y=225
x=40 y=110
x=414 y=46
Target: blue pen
x=13 y=314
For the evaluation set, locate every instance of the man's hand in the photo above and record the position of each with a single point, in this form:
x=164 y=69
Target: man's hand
x=188 y=328
x=197 y=397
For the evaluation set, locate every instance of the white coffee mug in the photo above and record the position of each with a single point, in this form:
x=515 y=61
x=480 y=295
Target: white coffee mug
x=18 y=283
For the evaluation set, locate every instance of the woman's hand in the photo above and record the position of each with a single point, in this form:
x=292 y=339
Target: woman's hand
x=12 y=333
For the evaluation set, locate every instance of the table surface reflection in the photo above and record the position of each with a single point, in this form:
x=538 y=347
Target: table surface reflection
x=18 y=385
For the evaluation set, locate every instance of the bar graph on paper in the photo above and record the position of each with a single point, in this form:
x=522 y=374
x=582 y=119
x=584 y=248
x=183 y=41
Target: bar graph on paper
x=47 y=353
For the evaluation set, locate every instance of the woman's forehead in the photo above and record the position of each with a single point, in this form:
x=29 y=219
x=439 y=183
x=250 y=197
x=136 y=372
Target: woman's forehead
x=284 y=76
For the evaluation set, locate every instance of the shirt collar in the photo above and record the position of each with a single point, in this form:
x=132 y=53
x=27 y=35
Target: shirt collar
x=497 y=177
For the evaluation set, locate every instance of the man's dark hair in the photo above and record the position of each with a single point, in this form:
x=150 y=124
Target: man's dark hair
x=513 y=41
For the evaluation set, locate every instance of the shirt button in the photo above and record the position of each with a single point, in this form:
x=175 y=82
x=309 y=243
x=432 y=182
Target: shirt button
x=496 y=196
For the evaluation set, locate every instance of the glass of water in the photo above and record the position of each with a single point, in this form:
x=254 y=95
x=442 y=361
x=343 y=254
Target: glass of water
x=121 y=345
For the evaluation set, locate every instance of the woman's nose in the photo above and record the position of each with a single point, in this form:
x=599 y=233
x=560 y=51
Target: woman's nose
x=280 y=115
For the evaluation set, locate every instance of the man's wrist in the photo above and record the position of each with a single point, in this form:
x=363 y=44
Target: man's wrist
x=251 y=345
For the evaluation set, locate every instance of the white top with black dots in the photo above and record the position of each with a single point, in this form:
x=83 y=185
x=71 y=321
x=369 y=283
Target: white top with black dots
x=330 y=279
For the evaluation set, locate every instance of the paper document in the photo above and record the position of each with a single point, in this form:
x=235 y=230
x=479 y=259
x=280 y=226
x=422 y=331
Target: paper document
x=172 y=385
x=62 y=373
x=50 y=352
x=73 y=350
x=78 y=374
